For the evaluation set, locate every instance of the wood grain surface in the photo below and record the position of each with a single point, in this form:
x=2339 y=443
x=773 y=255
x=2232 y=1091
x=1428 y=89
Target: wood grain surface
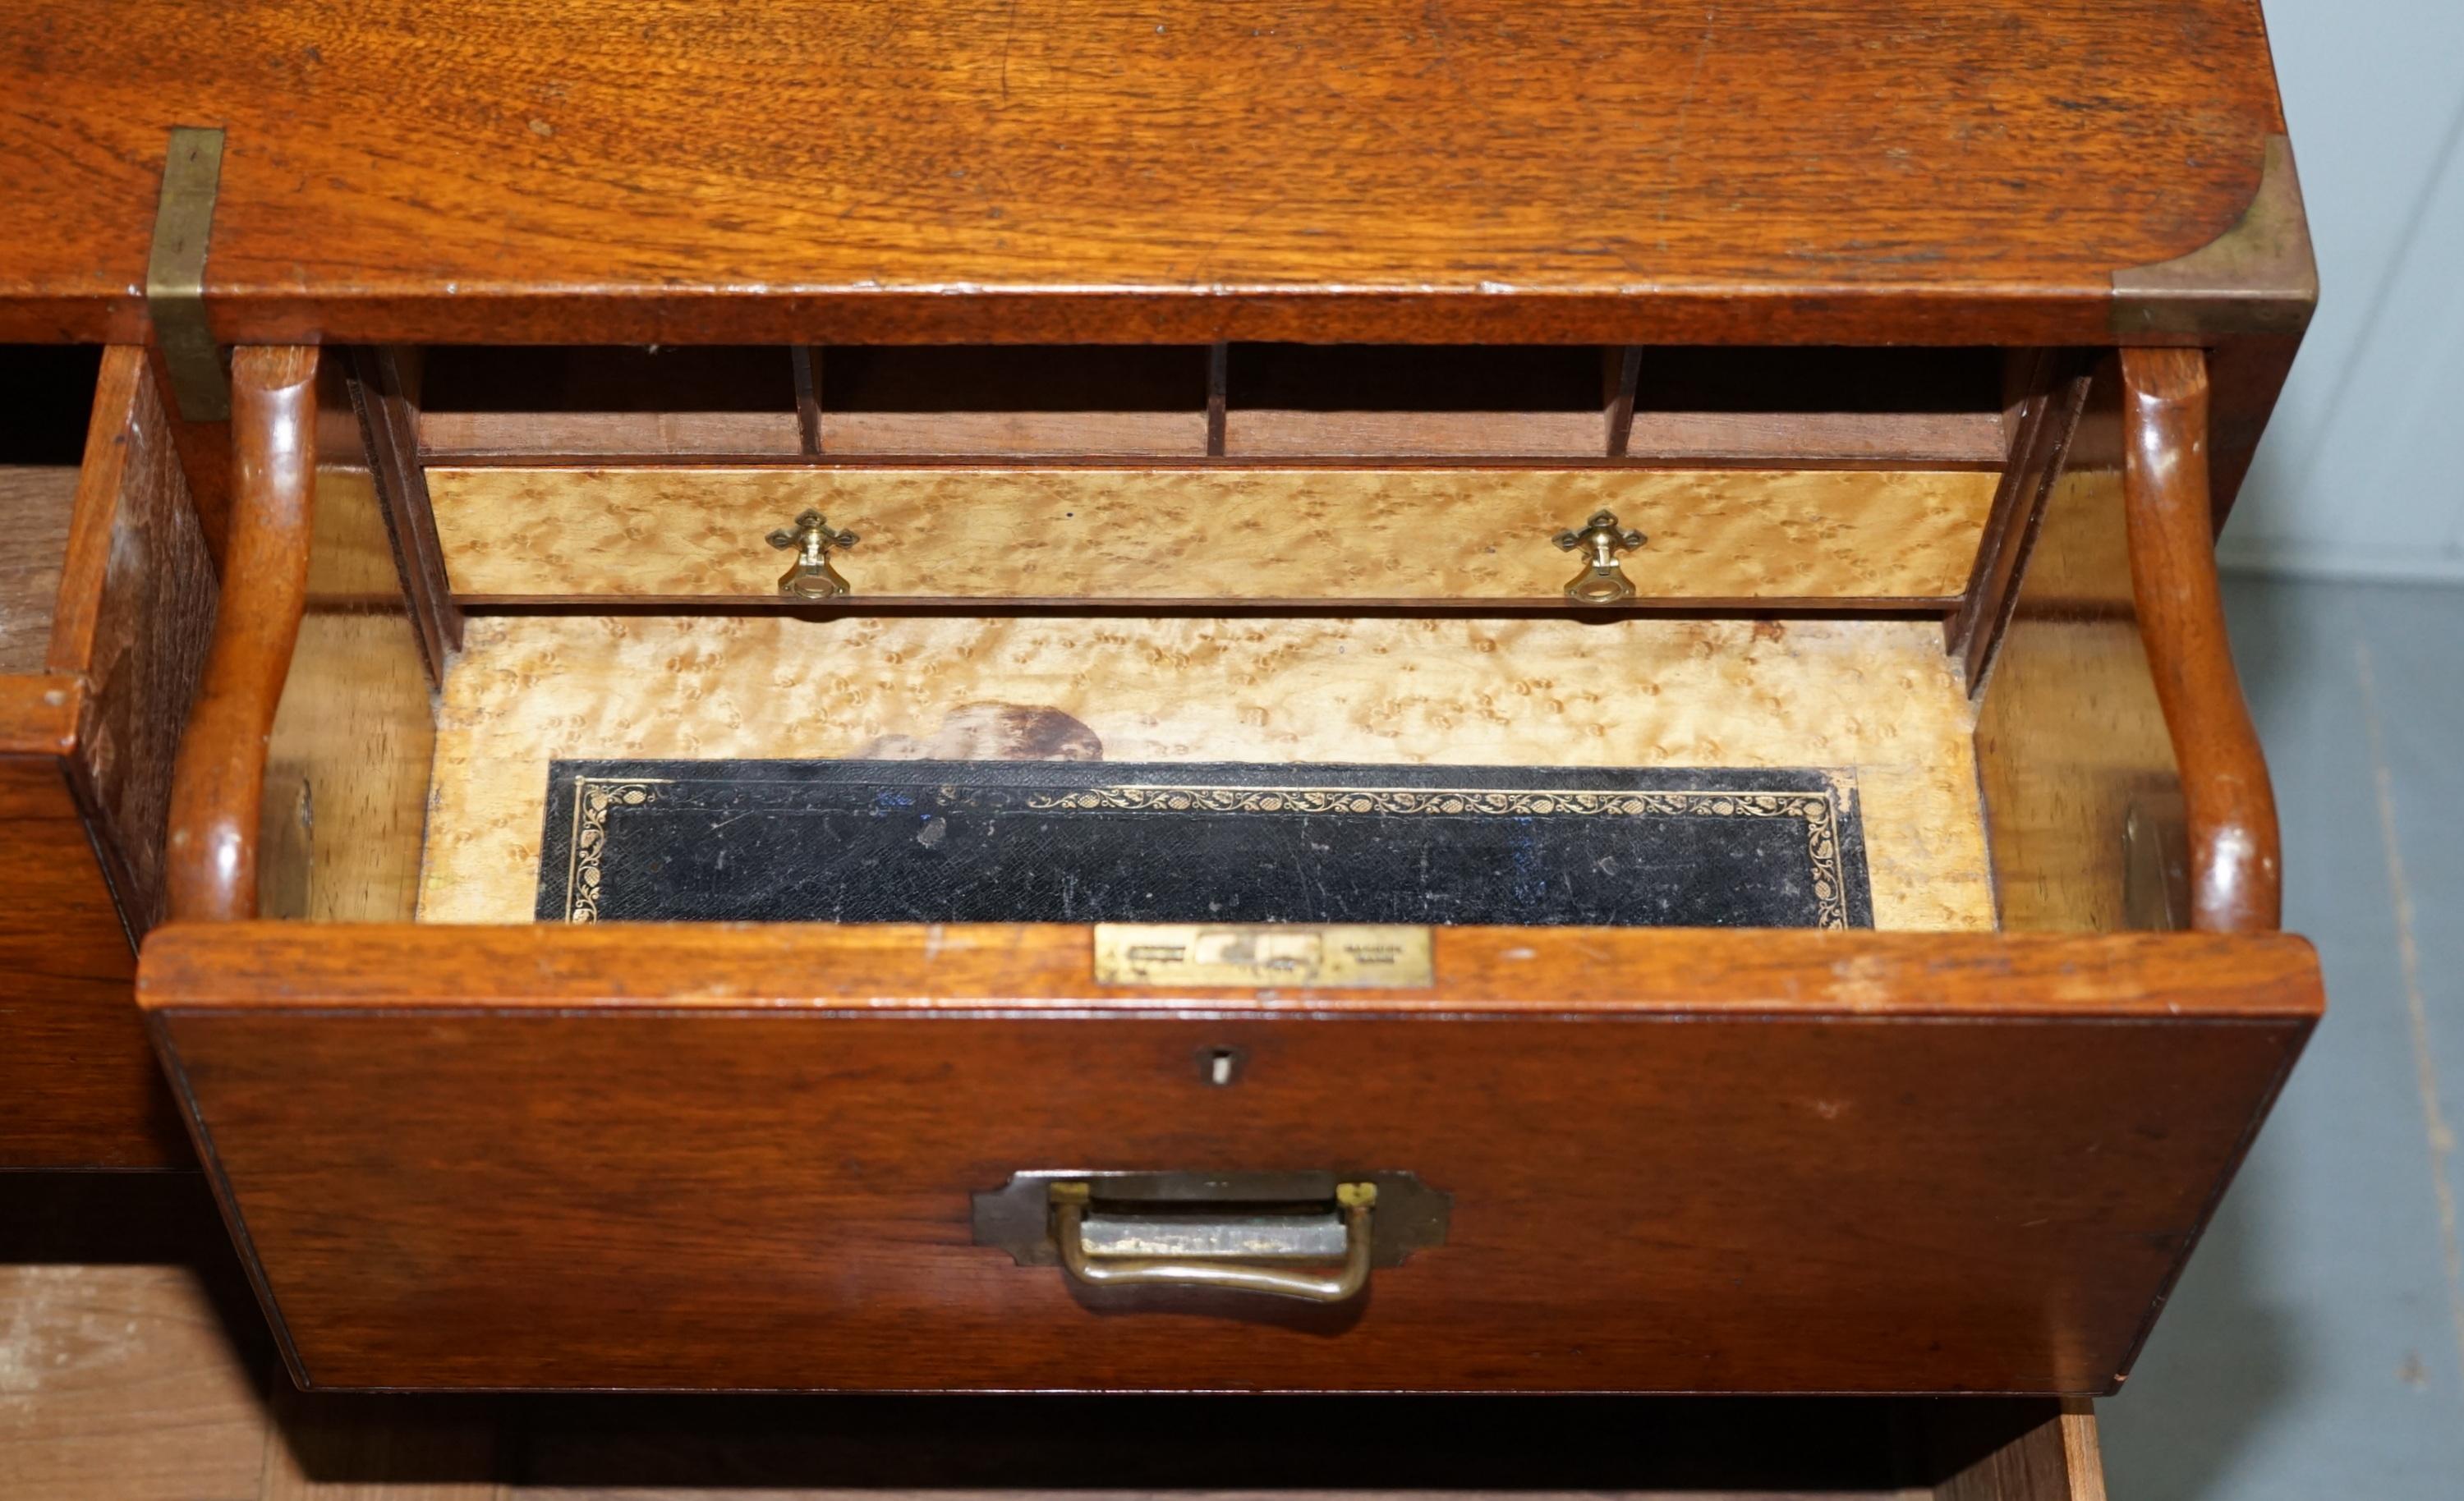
x=1806 y=438
x=36 y=500
x=2236 y=866
x=134 y=622
x=728 y=1156
x=973 y=968
x=38 y=714
x=77 y=1088
x=219 y=785
x=672 y=434
x=1850 y=437
x=137 y=1369
x=1270 y=432
x=1356 y=536
x=384 y=388
x=122 y=1384
x=781 y=171
x=100 y=713
x=346 y=758
x=205 y=450
x=943 y=433
x=1877 y=697
x=2055 y=1459
x=2049 y=389
x=135 y=1366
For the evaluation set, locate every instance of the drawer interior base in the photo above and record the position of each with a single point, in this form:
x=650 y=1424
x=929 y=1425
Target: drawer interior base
x=1874 y=699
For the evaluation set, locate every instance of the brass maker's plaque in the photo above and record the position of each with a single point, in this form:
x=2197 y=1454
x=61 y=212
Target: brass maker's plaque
x=1321 y=955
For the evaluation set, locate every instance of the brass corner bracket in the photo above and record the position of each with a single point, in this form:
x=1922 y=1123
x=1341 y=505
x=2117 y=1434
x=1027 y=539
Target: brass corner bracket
x=175 y=273
x=2257 y=277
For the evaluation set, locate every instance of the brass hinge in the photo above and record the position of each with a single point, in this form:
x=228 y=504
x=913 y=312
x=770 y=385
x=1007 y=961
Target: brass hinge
x=175 y=273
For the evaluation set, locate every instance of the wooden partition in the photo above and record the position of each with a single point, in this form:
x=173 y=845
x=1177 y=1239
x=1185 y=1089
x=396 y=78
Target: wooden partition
x=1255 y=475
x=1887 y=408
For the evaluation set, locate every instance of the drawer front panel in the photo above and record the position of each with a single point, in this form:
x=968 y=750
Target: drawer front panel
x=1333 y=535
x=77 y=1087
x=1880 y=1162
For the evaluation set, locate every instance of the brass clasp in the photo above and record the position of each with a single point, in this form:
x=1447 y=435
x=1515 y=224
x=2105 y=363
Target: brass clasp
x=812 y=576
x=1603 y=580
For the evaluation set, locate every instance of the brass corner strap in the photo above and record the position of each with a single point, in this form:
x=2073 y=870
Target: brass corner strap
x=2258 y=276
x=175 y=273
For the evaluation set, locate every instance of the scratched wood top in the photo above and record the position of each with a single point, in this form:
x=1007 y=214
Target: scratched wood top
x=963 y=170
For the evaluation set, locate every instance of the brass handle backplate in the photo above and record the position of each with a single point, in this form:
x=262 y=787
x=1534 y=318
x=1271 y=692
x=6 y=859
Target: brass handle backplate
x=810 y=577
x=1603 y=580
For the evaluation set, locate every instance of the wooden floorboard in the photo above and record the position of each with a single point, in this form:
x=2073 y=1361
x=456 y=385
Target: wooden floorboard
x=120 y=1384
x=380 y=1448
x=131 y=1367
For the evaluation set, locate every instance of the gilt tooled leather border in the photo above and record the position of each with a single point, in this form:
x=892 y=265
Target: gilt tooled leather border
x=585 y=797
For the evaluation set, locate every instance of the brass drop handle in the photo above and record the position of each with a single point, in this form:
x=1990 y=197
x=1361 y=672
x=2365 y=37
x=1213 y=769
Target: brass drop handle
x=1603 y=580
x=1229 y=1255
x=810 y=577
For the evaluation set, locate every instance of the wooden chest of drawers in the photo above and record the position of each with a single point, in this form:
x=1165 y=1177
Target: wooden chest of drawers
x=1341 y=386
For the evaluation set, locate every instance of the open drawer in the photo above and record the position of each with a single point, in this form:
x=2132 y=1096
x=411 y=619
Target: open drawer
x=1956 y=1135
x=671 y=1157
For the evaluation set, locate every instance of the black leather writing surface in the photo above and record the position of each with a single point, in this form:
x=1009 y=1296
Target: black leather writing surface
x=952 y=842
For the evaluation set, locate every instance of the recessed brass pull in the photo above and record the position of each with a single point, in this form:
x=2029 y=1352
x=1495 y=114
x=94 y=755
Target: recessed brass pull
x=1603 y=580
x=812 y=576
x=1232 y=1254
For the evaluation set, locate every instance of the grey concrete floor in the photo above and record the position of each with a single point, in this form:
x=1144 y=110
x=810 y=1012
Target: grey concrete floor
x=2315 y=1348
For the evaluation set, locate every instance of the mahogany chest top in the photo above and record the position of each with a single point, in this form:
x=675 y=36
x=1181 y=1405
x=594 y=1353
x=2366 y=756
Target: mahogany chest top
x=1768 y=171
